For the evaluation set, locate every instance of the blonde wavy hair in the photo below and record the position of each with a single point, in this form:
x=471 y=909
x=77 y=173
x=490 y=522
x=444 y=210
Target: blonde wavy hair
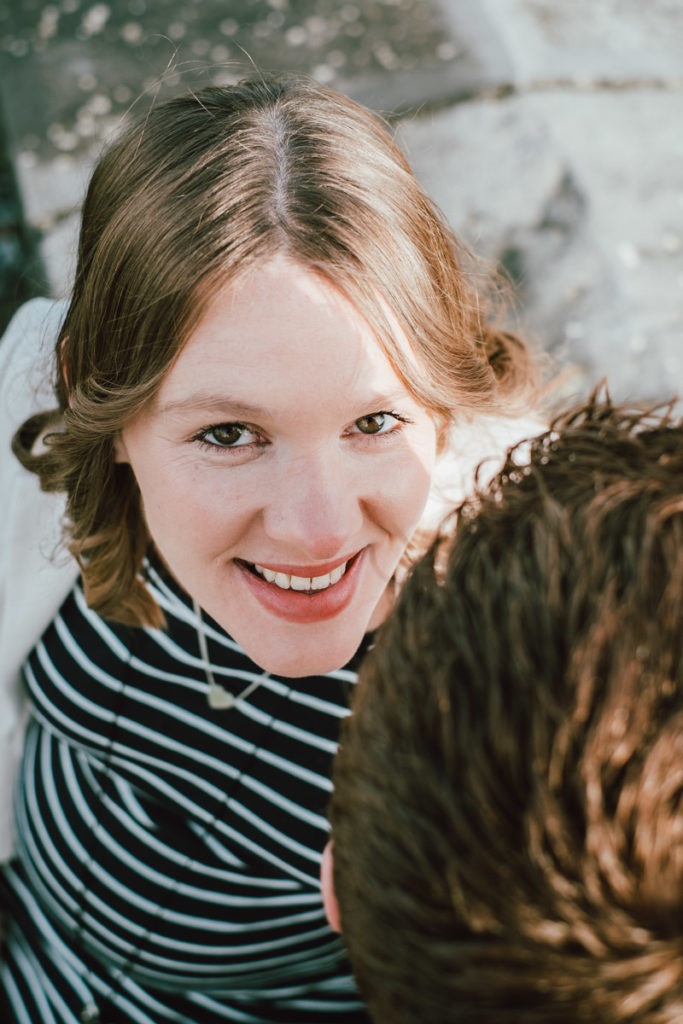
x=184 y=201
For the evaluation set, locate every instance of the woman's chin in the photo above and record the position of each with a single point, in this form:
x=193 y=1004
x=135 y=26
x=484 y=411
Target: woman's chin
x=313 y=649
x=305 y=658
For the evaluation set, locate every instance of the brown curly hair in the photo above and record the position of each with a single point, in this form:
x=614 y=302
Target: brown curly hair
x=508 y=807
x=202 y=187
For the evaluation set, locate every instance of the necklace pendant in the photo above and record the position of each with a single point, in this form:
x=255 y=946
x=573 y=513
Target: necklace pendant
x=219 y=698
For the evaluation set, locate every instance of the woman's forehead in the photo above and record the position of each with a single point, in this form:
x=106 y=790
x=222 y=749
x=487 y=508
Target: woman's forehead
x=281 y=330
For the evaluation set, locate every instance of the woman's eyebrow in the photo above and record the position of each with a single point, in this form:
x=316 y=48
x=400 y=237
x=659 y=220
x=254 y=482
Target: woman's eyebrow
x=202 y=401
x=207 y=402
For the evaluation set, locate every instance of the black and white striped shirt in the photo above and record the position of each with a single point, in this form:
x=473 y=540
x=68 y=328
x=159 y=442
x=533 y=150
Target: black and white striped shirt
x=169 y=853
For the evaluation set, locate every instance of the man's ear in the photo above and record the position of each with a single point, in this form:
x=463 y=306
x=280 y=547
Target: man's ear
x=327 y=886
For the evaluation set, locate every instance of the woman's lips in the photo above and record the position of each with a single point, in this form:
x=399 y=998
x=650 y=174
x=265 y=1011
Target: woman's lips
x=299 y=598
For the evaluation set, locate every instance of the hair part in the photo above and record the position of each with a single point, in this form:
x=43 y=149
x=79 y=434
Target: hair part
x=508 y=805
x=197 y=192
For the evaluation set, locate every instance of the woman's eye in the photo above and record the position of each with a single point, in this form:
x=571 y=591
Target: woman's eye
x=227 y=435
x=377 y=423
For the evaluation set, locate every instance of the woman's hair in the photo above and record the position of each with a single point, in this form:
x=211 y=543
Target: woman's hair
x=507 y=814
x=199 y=190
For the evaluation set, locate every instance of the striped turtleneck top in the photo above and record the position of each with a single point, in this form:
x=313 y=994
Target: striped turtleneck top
x=169 y=852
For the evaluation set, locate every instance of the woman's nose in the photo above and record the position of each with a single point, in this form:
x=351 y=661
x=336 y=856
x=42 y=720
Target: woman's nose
x=315 y=509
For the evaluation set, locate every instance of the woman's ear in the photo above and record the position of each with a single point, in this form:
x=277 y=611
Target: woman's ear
x=443 y=432
x=327 y=885
x=120 y=450
x=64 y=369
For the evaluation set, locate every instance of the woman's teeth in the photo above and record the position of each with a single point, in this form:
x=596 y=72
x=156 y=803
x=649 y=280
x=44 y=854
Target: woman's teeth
x=287 y=582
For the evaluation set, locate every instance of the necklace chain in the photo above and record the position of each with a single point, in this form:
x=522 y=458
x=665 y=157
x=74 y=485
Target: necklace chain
x=218 y=698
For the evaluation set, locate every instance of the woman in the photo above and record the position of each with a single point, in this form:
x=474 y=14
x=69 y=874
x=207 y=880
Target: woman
x=269 y=338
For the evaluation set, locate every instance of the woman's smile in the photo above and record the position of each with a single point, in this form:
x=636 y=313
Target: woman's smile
x=309 y=598
x=306 y=580
x=283 y=467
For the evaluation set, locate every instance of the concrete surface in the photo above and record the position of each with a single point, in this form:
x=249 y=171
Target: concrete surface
x=549 y=131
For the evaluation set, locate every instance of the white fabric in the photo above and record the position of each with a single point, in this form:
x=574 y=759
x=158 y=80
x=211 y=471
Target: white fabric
x=476 y=446
x=33 y=579
x=36 y=574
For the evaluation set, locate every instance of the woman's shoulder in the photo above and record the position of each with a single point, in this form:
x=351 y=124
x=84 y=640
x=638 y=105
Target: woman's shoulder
x=38 y=318
x=31 y=526
x=28 y=342
x=31 y=585
x=27 y=368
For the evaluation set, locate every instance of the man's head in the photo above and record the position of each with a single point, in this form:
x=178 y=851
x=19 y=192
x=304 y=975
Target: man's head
x=508 y=809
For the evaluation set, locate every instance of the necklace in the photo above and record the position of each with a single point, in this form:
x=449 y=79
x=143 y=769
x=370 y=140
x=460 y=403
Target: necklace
x=218 y=698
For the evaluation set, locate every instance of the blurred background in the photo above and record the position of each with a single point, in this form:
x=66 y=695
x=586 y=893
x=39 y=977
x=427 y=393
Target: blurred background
x=550 y=133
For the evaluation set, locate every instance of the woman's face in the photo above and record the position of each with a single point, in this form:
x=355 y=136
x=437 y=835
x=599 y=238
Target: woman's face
x=283 y=466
